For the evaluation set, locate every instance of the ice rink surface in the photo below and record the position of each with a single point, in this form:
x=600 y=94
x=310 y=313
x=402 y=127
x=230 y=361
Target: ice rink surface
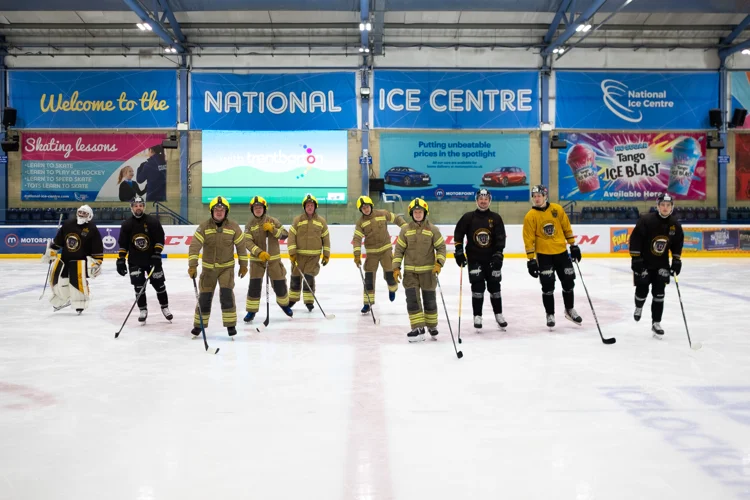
x=341 y=409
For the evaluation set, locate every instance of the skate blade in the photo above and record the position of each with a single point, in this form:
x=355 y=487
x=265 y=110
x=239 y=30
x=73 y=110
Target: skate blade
x=696 y=345
x=574 y=321
x=414 y=340
x=657 y=336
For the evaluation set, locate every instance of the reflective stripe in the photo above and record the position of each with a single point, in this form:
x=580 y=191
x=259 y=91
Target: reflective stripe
x=366 y=223
x=308 y=252
x=228 y=231
x=293 y=230
x=380 y=218
x=291 y=247
x=277 y=234
x=426 y=232
x=439 y=241
x=192 y=257
x=378 y=250
x=242 y=258
x=302 y=223
x=393 y=217
x=210 y=231
x=397 y=260
x=325 y=233
x=441 y=258
x=417 y=269
x=238 y=239
x=327 y=249
x=198 y=236
x=317 y=223
x=359 y=233
x=401 y=242
x=410 y=232
x=253 y=228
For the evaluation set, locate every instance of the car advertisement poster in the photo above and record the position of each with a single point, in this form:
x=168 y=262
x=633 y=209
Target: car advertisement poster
x=632 y=167
x=453 y=166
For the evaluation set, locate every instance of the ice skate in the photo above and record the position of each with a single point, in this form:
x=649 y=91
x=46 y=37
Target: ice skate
x=232 y=331
x=658 y=330
x=433 y=333
x=196 y=330
x=477 y=322
x=167 y=314
x=638 y=313
x=416 y=335
x=501 y=320
x=392 y=296
x=550 y=320
x=143 y=315
x=249 y=317
x=310 y=307
x=365 y=309
x=287 y=310
x=572 y=315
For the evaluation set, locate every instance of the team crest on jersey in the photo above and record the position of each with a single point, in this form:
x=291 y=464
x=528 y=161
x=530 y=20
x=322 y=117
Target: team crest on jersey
x=141 y=242
x=72 y=242
x=490 y=221
x=482 y=237
x=549 y=229
x=671 y=230
x=659 y=245
x=554 y=212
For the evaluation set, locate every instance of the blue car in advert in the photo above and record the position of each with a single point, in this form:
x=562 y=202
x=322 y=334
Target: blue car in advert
x=406 y=176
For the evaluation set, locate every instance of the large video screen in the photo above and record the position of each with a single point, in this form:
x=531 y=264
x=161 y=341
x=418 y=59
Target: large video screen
x=282 y=167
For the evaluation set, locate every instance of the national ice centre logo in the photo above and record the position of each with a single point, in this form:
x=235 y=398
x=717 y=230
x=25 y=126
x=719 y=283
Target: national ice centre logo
x=626 y=103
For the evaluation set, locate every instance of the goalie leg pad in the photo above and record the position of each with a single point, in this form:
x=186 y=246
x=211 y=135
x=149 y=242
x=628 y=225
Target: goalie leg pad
x=79 y=287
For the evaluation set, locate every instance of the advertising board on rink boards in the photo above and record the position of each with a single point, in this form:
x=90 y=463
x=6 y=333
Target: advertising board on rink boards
x=594 y=240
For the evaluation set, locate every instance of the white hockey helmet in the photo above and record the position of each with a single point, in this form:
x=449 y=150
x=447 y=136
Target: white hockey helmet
x=84 y=214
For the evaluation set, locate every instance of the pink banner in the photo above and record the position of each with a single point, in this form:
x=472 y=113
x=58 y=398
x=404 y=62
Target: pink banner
x=86 y=147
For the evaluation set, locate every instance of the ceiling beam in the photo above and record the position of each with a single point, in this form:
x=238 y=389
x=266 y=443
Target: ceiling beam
x=571 y=29
x=556 y=21
x=724 y=53
x=378 y=27
x=736 y=31
x=172 y=20
x=157 y=27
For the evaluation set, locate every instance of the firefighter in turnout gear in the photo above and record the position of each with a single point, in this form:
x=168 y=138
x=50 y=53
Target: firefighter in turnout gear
x=76 y=244
x=546 y=229
x=373 y=227
x=219 y=237
x=420 y=250
x=308 y=238
x=262 y=235
x=142 y=241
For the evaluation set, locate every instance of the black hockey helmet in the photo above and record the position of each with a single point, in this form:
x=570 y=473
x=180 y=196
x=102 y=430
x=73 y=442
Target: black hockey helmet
x=134 y=203
x=665 y=198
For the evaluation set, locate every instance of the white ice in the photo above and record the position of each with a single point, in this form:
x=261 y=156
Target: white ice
x=341 y=409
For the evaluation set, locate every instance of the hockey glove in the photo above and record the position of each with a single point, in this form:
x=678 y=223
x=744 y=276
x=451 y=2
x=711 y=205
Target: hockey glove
x=497 y=261
x=575 y=253
x=243 y=271
x=293 y=259
x=324 y=260
x=533 y=266
x=50 y=254
x=397 y=274
x=264 y=256
x=95 y=267
x=358 y=259
x=436 y=269
x=636 y=264
x=460 y=259
x=122 y=269
x=156 y=262
x=269 y=227
x=676 y=266
x=193 y=271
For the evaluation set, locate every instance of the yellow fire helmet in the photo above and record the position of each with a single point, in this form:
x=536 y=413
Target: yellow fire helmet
x=419 y=203
x=311 y=198
x=364 y=200
x=259 y=200
x=218 y=201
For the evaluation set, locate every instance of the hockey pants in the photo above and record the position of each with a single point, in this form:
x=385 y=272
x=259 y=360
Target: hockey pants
x=658 y=279
x=138 y=280
x=563 y=266
x=479 y=274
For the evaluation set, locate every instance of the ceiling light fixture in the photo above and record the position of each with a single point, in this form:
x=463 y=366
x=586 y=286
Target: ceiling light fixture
x=141 y=27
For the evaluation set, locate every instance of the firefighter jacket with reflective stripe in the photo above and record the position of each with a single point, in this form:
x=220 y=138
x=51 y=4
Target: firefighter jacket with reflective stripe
x=255 y=237
x=309 y=236
x=419 y=245
x=219 y=244
x=374 y=229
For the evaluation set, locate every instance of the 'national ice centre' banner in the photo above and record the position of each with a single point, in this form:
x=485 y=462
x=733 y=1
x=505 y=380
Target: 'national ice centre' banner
x=741 y=93
x=94 y=99
x=278 y=101
x=635 y=101
x=92 y=167
x=632 y=167
x=456 y=99
x=452 y=167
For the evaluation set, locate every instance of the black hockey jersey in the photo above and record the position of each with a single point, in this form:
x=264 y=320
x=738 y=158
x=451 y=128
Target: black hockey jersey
x=654 y=237
x=485 y=234
x=140 y=238
x=78 y=242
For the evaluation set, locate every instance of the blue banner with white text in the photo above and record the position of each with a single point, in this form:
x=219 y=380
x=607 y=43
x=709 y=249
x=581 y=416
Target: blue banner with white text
x=456 y=99
x=94 y=99
x=278 y=101
x=635 y=101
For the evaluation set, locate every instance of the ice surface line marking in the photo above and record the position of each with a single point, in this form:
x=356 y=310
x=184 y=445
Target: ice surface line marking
x=18 y=291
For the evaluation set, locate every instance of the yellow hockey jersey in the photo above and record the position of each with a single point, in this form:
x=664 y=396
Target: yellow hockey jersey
x=546 y=230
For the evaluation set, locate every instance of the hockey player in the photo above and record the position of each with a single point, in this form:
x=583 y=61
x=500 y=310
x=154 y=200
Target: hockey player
x=373 y=226
x=76 y=244
x=485 y=233
x=219 y=237
x=308 y=237
x=142 y=241
x=654 y=237
x=422 y=249
x=546 y=228
x=262 y=235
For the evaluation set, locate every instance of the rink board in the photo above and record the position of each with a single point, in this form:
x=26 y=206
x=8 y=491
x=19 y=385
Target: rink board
x=594 y=240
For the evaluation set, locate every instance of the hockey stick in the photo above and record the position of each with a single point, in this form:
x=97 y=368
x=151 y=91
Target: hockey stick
x=369 y=302
x=697 y=345
x=143 y=290
x=460 y=300
x=459 y=354
x=262 y=327
x=327 y=316
x=49 y=268
x=606 y=341
x=200 y=317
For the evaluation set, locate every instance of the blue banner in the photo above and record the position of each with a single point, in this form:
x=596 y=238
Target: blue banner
x=456 y=99
x=452 y=167
x=741 y=93
x=33 y=240
x=635 y=101
x=94 y=99
x=278 y=101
